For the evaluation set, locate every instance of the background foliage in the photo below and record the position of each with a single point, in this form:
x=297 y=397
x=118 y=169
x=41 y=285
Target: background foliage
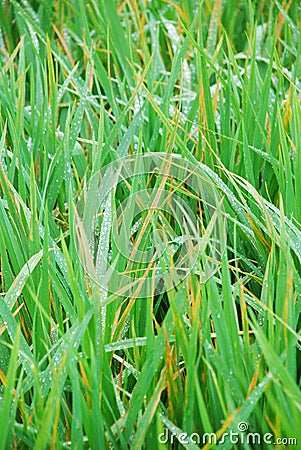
x=83 y=83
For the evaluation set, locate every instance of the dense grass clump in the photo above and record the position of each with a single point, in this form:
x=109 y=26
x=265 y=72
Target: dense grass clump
x=82 y=85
